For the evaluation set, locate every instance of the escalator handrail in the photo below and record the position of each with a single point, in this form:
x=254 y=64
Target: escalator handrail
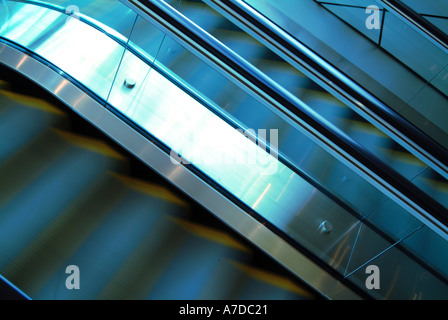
x=131 y=47
x=297 y=247
x=162 y=69
x=418 y=203
x=426 y=28
x=117 y=37
x=347 y=90
x=9 y=291
x=101 y=101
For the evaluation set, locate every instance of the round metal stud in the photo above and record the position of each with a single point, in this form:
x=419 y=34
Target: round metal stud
x=325 y=227
x=129 y=83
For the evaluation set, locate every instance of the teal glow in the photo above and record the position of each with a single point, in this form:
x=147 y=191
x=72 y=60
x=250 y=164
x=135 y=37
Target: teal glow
x=208 y=142
x=168 y=113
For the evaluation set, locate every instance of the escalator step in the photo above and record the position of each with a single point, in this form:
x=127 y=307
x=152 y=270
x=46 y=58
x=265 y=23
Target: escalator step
x=110 y=241
x=202 y=245
x=202 y=15
x=4 y=106
x=90 y=144
x=28 y=163
x=138 y=274
x=38 y=204
x=20 y=125
x=364 y=127
x=189 y=271
x=32 y=267
x=9 y=97
x=211 y=234
x=4 y=84
x=268 y=286
x=289 y=78
x=152 y=189
x=243 y=44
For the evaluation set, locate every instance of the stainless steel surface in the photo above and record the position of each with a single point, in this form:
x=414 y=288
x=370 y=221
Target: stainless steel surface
x=392 y=7
x=402 y=278
x=180 y=120
x=325 y=227
x=344 y=149
x=180 y=176
x=259 y=180
x=433 y=248
x=90 y=56
x=336 y=82
x=129 y=83
x=346 y=45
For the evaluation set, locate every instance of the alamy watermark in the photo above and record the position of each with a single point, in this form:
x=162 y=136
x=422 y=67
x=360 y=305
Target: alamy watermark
x=73 y=281
x=373 y=280
x=73 y=13
x=241 y=147
x=374 y=19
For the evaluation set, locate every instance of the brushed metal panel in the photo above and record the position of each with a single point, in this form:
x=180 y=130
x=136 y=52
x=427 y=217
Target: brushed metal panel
x=402 y=278
x=179 y=176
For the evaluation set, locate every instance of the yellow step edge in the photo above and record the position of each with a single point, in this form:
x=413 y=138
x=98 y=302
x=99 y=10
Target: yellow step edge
x=150 y=189
x=404 y=157
x=232 y=34
x=4 y=83
x=272 y=279
x=196 y=6
x=211 y=234
x=89 y=144
x=438 y=185
x=365 y=127
x=31 y=102
x=324 y=95
x=282 y=65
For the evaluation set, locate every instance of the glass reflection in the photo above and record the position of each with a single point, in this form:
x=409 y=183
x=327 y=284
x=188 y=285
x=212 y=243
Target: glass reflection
x=232 y=158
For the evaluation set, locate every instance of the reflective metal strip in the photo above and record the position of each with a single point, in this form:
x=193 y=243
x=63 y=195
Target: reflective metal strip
x=425 y=28
x=299 y=115
x=345 y=89
x=125 y=135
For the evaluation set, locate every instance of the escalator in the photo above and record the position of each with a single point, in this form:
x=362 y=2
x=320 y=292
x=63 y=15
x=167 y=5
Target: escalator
x=416 y=44
x=70 y=197
x=200 y=76
x=291 y=79
x=381 y=214
x=430 y=18
x=320 y=100
x=392 y=76
x=315 y=201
